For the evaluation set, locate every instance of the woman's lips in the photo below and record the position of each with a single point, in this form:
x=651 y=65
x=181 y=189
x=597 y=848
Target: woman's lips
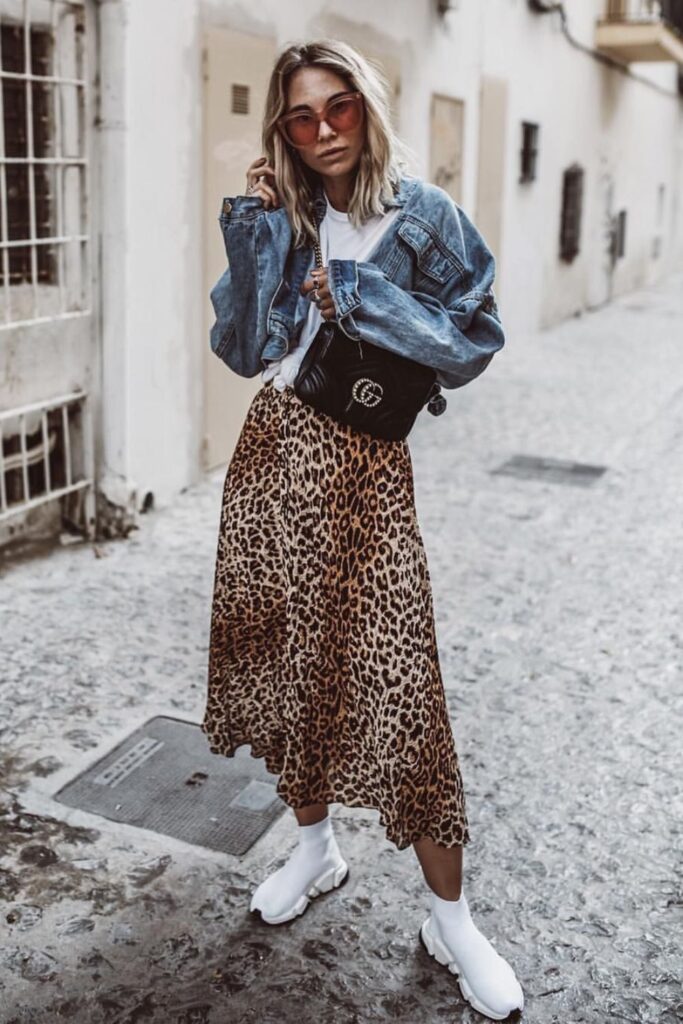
x=330 y=156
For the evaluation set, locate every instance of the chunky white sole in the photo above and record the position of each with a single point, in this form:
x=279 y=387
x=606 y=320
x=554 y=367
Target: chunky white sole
x=330 y=879
x=438 y=950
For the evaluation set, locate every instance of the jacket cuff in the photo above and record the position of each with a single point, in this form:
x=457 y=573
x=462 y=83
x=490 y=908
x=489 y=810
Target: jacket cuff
x=238 y=207
x=342 y=280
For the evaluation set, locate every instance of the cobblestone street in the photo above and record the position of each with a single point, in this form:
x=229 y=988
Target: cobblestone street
x=558 y=613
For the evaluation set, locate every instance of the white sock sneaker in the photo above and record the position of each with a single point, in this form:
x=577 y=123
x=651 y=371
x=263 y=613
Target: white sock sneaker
x=486 y=980
x=314 y=866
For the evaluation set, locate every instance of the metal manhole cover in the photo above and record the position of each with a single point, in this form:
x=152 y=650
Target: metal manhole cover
x=163 y=777
x=559 y=471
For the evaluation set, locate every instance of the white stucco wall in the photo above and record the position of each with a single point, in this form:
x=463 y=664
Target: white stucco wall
x=612 y=126
x=587 y=114
x=163 y=225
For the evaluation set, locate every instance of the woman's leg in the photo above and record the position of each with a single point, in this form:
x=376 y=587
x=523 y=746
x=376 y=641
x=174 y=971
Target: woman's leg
x=441 y=866
x=311 y=814
x=314 y=866
x=487 y=981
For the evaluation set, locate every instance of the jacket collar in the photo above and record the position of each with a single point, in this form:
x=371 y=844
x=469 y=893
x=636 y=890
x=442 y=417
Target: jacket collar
x=405 y=188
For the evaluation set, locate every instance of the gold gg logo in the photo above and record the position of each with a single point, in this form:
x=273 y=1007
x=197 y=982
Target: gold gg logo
x=367 y=392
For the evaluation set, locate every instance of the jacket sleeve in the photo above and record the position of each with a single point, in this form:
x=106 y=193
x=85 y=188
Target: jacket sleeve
x=255 y=240
x=456 y=331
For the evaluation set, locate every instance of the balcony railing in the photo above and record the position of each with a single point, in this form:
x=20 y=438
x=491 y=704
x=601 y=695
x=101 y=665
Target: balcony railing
x=648 y=11
x=642 y=30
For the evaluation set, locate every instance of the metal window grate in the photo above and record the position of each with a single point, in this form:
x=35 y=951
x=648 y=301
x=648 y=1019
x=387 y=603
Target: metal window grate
x=12 y=47
x=44 y=449
x=240 y=99
x=44 y=242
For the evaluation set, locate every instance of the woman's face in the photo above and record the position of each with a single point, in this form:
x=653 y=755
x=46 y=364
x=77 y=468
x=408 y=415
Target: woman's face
x=312 y=87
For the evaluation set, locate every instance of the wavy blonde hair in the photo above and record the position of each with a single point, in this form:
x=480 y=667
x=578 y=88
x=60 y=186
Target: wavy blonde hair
x=383 y=160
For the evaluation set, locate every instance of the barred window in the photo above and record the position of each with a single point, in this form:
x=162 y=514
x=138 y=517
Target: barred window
x=43 y=164
x=572 y=201
x=15 y=118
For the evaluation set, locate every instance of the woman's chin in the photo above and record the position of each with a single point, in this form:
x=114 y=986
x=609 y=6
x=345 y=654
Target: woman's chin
x=335 y=168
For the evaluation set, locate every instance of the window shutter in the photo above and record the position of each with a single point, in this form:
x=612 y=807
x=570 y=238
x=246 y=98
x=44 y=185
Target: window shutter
x=529 y=151
x=572 y=201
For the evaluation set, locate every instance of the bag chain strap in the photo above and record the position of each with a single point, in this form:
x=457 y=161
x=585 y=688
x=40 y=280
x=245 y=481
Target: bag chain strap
x=318 y=250
x=319 y=266
x=437 y=402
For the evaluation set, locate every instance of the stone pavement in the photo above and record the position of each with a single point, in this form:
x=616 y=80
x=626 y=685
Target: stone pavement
x=559 y=624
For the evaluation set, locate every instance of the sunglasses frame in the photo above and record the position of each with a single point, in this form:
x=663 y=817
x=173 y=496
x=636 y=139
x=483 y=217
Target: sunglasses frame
x=284 y=118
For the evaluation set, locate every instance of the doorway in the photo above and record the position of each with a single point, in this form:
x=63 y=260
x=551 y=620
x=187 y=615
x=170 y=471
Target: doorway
x=236 y=68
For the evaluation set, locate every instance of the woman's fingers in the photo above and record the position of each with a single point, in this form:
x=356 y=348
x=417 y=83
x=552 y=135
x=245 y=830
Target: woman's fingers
x=261 y=172
x=257 y=174
x=310 y=283
x=259 y=166
x=270 y=196
x=326 y=303
x=267 y=193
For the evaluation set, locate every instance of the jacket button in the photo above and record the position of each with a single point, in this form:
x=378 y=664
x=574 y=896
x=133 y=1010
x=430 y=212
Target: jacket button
x=227 y=206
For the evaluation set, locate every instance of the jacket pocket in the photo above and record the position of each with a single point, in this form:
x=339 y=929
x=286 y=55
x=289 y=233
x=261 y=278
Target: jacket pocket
x=435 y=264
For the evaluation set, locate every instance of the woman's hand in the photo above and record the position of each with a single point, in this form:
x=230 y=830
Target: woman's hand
x=325 y=300
x=257 y=170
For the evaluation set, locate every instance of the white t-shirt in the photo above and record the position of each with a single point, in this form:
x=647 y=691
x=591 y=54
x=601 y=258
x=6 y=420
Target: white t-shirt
x=339 y=239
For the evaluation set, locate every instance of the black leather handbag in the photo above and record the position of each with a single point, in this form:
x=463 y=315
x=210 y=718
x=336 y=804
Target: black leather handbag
x=369 y=388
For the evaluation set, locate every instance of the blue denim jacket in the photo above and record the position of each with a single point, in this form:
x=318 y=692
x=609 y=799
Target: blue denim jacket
x=426 y=290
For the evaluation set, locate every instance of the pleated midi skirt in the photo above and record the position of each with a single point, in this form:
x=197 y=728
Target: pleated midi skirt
x=322 y=650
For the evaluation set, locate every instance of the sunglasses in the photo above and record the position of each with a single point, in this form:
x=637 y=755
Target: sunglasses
x=343 y=114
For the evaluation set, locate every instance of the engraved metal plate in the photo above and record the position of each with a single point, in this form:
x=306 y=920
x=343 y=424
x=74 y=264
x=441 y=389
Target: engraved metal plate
x=163 y=777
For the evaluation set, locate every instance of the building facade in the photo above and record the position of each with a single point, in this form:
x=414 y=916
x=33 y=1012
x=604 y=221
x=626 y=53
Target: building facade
x=558 y=128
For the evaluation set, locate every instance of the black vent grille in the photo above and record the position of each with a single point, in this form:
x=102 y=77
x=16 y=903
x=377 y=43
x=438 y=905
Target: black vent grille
x=240 y=99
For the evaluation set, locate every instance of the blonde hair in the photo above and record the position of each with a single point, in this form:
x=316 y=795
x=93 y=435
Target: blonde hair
x=383 y=160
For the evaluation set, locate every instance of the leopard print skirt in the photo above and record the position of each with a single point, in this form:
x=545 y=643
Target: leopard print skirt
x=322 y=650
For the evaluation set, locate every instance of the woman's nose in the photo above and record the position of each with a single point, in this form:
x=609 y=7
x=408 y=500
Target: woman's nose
x=324 y=130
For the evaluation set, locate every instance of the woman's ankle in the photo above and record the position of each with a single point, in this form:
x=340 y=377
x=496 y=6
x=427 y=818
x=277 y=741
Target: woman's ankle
x=319 y=833
x=312 y=814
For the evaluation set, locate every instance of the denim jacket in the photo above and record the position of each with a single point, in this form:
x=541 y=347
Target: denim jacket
x=425 y=291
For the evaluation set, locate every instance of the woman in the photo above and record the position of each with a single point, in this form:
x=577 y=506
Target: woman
x=323 y=654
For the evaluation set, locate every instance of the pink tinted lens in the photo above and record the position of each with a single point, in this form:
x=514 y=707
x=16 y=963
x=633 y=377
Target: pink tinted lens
x=342 y=115
x=301 y=129
x=345 y=114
